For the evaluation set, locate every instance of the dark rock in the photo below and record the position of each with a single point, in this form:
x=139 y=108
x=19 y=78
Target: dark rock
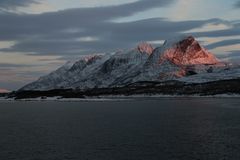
x=147 y=87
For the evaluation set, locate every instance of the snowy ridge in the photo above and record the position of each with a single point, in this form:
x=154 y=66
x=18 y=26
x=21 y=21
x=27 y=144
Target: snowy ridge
x=177 y=59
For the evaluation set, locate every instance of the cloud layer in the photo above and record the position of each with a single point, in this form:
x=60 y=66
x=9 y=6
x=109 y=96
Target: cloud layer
x=237 y=4
x=88 y=30
x=12 y=4
x=73 y=30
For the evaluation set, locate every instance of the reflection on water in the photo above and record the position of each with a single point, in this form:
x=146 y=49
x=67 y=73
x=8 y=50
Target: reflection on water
x=142 y=129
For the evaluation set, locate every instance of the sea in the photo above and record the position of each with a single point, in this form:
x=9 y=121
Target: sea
x=121 y=129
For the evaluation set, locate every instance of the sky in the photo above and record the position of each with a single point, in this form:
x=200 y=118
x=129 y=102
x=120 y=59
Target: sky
x=38 y=36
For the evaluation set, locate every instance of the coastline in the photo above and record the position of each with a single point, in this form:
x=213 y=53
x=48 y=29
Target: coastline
x=120 y=98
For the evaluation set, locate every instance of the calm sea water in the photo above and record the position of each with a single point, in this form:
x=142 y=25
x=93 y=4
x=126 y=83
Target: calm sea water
x=153 y=129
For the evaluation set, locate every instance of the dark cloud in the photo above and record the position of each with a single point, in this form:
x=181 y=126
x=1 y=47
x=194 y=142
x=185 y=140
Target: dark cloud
x=237 y=4
x=224 y=43
x=232 y=31
x=12 y=4
x=235 y=53
x=18 y=26
x=220 y=33
x=10 y=65
x=111 y=36
x=232 y=54
x=63 y=32
x=58 y=32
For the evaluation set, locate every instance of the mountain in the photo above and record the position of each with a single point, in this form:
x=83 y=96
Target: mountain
x=177 y=59
x=185 y=52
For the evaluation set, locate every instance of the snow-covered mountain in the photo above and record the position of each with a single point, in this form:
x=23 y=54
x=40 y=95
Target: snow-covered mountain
x=177 y=59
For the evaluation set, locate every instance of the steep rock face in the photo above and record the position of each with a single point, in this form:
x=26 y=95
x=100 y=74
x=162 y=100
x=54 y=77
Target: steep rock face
x=178 y=58
x=175 y=59
x=145 y=48
x=188 y=52
x=184 y=52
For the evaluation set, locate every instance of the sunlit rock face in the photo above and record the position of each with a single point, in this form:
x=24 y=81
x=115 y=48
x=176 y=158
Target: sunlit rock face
x=179 y=57
x=145 y=48
x=188 y=52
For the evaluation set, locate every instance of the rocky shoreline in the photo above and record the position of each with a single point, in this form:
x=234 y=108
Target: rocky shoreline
x=174 y=88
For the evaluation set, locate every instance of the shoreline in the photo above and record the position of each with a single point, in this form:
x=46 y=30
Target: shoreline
x=120 y=98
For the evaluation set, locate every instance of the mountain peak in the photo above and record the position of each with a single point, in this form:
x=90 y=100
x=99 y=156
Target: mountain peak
x=187 y=51
x=89 y=58
x=145 y=47
x=180 y=38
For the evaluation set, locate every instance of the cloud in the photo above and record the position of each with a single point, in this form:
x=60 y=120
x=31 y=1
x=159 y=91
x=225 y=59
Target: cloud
x=89 y=30
x=12 y=4
x=63 y=32
x=9 y=65
x=235 y=53
x=223 y=43
x=16 y=75
x=106 y=36
x=221 y=38
x=237 y=4
x=232 y=54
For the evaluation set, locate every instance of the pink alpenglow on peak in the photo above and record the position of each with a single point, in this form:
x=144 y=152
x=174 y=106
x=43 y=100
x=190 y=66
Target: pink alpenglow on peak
x=145 y=48
x=92 y=57
x=188 y=52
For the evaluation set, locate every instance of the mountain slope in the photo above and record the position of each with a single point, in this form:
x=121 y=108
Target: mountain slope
x=175 y=59
x=182 y=52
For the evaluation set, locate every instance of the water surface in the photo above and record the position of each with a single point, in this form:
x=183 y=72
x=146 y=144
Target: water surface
x=142 y=129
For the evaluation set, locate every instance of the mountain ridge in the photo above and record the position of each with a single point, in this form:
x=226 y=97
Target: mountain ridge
x=174 y=60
